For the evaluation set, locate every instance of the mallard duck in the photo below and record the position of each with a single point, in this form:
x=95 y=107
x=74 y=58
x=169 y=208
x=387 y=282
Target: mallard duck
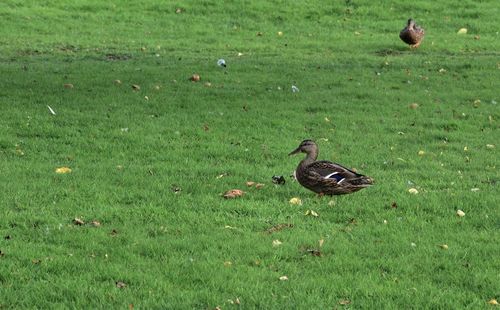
x=324 y=177
x=412 y=34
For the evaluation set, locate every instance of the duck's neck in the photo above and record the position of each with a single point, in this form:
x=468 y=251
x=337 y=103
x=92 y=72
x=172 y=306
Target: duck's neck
x=310 y=158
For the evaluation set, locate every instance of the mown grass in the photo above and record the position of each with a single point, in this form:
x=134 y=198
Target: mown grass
x=194 y=249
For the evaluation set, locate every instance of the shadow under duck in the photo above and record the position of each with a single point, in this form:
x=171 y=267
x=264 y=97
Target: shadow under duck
x=412 y=34
x=324 y=177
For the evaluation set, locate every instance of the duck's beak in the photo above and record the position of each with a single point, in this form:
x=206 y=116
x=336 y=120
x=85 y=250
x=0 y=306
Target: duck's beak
x=297 y=150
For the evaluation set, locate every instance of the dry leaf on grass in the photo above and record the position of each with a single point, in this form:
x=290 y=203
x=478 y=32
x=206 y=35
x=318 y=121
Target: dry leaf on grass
x=277 y=243
x=344 y=302
x=136 y=87
x=95 y=223
x=278 y=227
x=195 y=78
x=493 y=302
x=460 y=213
x=68 y=86
x=120 y=284
x=311 y=213
x=250 y=183
x=283 y=278
x=78 y=221
x=444 y=246
x=295 y=201
x=259 y=185
x=413 y=191
x=63 y=170
x=233 y=193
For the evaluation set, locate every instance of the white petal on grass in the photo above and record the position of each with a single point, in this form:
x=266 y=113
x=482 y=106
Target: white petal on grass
x=51 y=111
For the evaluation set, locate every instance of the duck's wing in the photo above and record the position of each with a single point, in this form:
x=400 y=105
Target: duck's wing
x=331 y=171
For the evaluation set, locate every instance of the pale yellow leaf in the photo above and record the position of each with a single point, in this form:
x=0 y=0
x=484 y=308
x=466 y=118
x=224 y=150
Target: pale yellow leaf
x=63 y=170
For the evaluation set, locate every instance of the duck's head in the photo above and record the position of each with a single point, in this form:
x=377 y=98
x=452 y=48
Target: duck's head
x=411 y=23
x=306 y=146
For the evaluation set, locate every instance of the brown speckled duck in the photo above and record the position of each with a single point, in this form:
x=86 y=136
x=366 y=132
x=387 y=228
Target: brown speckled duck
x=324 y=177
x=412 y=34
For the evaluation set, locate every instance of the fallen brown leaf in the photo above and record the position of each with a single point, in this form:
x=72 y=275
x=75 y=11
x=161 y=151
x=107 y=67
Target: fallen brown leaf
x=250 y=183
x=344 y=302
x=95 y=223
x=493 y=302
x=259 y=185
x=136 y=87
x=68 y=86
x=278 y=227
x=195 y=78
x=233 y=193
x=78 y=221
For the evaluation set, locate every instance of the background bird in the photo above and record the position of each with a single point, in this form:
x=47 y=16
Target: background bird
x=412 y=34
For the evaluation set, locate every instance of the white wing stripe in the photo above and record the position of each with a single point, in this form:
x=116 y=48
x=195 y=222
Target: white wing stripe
x=330 y=175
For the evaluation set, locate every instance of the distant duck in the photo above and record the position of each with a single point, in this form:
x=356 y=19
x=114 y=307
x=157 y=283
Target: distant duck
x=412 y=34
x=324 y=177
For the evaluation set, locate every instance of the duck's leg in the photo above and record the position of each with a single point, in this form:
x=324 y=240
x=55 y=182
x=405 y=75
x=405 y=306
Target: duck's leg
x=415 y=45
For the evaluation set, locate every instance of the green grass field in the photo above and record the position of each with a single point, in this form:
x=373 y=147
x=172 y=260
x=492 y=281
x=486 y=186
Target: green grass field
x=150 y=165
